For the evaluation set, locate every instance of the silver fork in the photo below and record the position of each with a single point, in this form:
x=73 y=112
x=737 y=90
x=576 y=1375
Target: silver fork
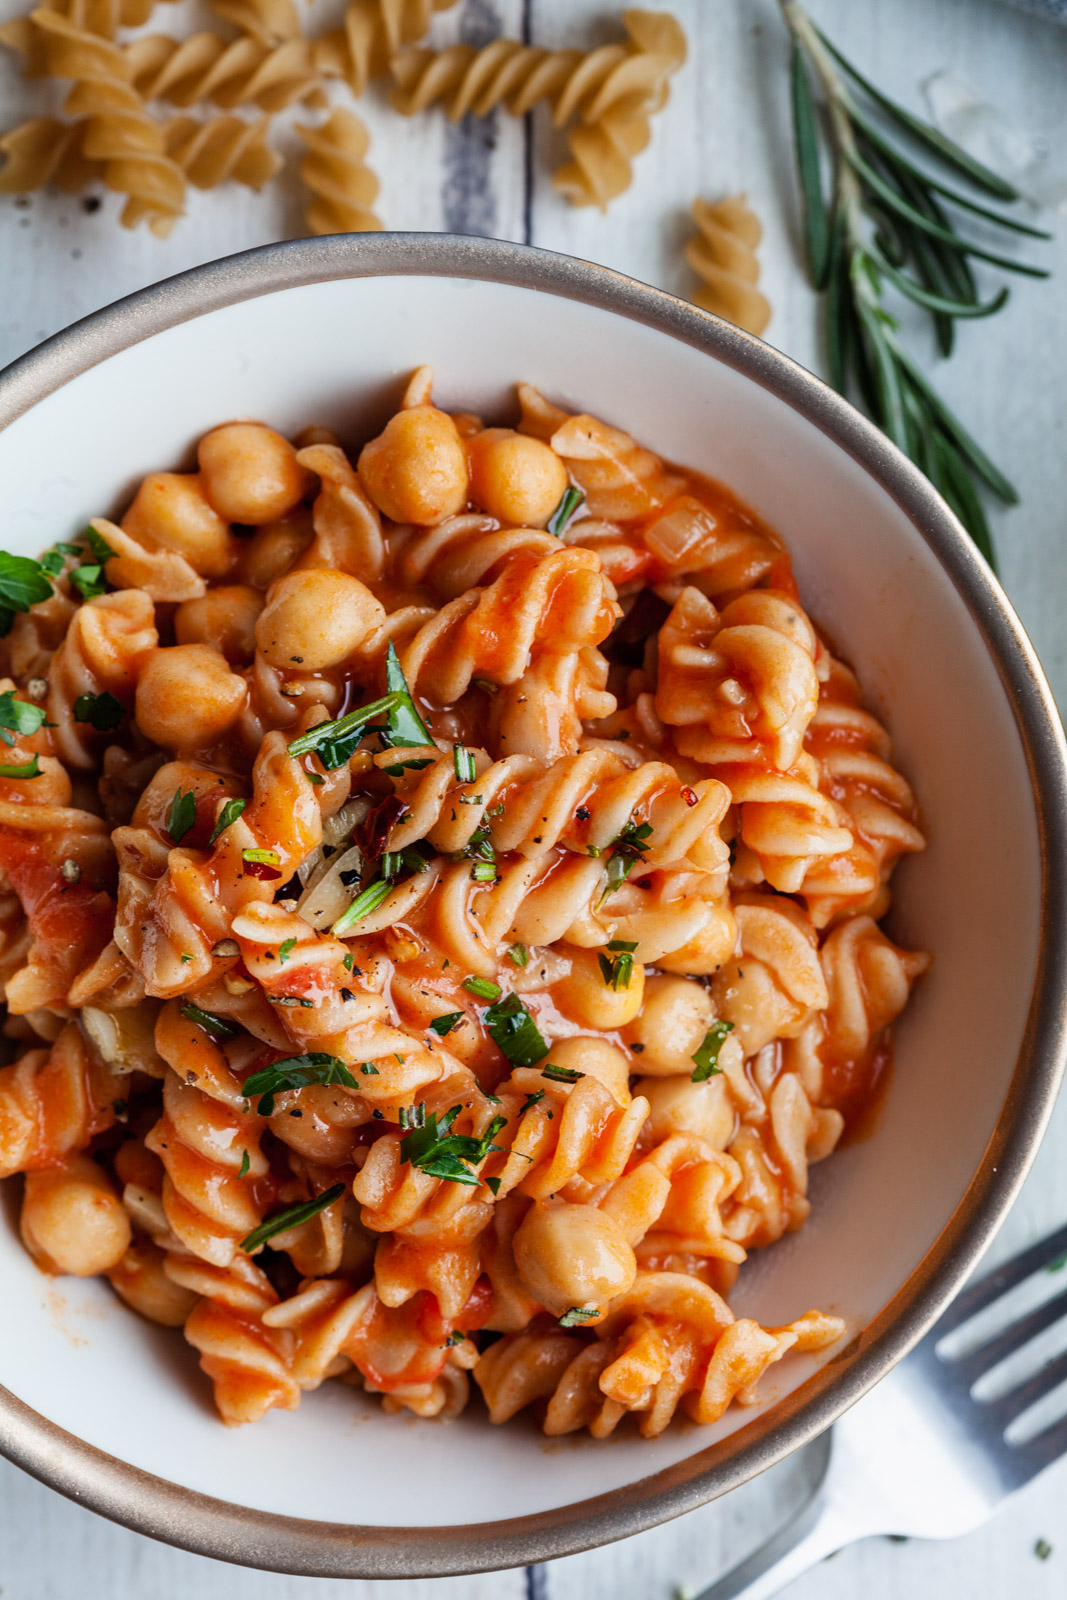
x=921 y=1454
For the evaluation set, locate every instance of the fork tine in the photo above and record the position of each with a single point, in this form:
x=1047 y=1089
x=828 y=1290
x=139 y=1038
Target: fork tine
x=978 y=1295
x=1037 y=1454
x=987 y=1356
x=1016 y=1401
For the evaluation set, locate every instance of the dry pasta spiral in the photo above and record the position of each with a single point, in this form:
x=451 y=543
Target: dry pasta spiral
x=723 y=254
x=45 y=150
x=229 y=73
x=372 y=32
x=335 y=171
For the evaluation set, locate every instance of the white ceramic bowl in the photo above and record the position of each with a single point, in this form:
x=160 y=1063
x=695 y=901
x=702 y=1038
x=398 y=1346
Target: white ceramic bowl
x=113 y=1412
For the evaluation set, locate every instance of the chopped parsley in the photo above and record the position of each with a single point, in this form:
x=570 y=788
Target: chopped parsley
x=217 y=1026
x=28 y=769
x=182 y=814
x=561 y=1074
x=369 y=1070
x=18 y=716
x=295 y=1072
x=617 y=972
x=443 y=1025
x=531 y=1100
x=493 y=1185
x=245 y=1164
x=431 y=1148
x=570 y=501
x=514 y=1032
x=23 y=583
x=484 y=988
x=362 y=906
x=291 y=1218
x=226 y=818
x=285 y=950
x=97 y=544
x=334 y=742
x=102 y=711
x=89 y=581
x=578 y=1315
x=707 y=1056
x=626 y=850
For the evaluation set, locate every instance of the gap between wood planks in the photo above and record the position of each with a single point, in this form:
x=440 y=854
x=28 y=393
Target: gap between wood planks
x=468 y=203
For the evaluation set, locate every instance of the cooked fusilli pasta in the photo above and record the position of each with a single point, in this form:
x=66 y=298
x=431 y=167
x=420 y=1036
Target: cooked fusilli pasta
x=723 y=254
x=465 y=936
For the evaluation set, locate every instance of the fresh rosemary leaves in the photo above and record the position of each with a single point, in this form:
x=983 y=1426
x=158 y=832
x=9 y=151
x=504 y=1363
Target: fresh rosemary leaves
x=891 y=223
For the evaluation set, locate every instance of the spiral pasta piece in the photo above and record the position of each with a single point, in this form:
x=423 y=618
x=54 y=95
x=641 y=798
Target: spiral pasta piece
x=229 y=73
x=741 y=685
x=119 y=133
x=335 y=171
x=372 y=32
x=723 y=254
x=53 y=1103
x=269 y=22
x=45 y=150
x=222 y=148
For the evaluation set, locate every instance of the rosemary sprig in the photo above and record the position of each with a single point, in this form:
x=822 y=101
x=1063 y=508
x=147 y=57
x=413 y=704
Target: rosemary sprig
x=888 y=223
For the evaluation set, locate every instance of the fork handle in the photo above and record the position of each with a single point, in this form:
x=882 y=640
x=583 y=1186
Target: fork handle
x=818 y=1530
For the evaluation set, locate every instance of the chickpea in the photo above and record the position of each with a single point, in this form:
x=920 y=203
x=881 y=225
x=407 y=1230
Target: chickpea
x=674 y=1018
x=586 y=998
x=416 y=469
x=679 y=1106
x=224 y=617
x=72 y=1219
x=187 y=697
x=250 y=473
x=275 y=548
x=597 y=1059
x=516 y=479
x=572 y=1255
x=171 y=512
x=314 y=619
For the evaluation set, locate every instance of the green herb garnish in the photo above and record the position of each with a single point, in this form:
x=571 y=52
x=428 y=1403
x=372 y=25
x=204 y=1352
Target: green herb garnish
x=493 y=1185
x=432 y=1149
x=889 y=223
x=23 y=583
x=29 y=769
x=217 y=1026
x=531 y=1100
x=97 y=544
x=618 y=972
x=18 y=716
x=707 y=1054
x=561 y=1074
x=484 y=988
x=571 y=499
x=182 y=814
x=369 y=1070
x=292 y=1218
x=362 y=906
x=514 y=1031
x=102 y=711
x=519 y=954
x=226 y=818
x=626 y=850
x=89 y=581
x=285 y=950
x=443 y=1025
x=577 y=1315
x=245 y=1164
x=466 y=772
x=295 y=1072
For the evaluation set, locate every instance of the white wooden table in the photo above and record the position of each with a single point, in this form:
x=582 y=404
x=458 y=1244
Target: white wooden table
x=726 y=128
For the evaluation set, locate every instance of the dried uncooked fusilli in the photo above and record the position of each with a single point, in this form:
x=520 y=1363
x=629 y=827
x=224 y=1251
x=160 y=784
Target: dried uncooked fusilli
x=723 y=254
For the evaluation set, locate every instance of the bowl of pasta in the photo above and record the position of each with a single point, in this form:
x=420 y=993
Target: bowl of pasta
x=532 y=873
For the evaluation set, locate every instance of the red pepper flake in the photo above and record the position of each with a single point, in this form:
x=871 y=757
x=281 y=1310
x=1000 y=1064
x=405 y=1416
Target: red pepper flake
x=259 y=869
x=689 y=795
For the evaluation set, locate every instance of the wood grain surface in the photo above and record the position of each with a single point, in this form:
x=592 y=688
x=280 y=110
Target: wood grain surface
x=726 y=128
